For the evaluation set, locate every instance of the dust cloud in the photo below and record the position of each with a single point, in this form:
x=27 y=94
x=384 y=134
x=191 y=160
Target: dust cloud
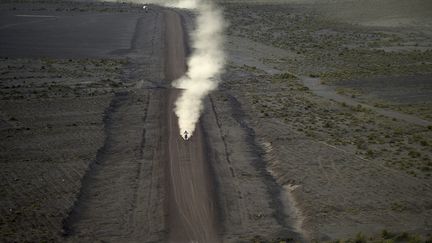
x=204 y=65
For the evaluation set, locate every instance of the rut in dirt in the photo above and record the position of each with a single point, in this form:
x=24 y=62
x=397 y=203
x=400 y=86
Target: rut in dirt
x=192 y=211
x=118 y=191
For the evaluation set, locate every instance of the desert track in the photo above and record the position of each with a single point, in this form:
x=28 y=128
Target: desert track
x=91 y=151
x=191 y=205
x=139 y=162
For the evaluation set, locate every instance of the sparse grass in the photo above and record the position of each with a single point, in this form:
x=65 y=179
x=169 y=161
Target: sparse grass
x=360 y=238
x=69 y=77
x=348 y=91
x=259 y=239
x=68 y=6
x=321 y=44
x=385 y=237
x=400 y=145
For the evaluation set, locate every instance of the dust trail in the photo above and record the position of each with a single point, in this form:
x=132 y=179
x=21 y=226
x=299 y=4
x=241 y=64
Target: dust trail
x=204 y=65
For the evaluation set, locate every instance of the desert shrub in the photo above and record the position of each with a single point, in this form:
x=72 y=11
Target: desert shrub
x=386 y=235
x=414 y=154
x=415 y=239
x=286 y=76
x=360 y=238
x=402 y=237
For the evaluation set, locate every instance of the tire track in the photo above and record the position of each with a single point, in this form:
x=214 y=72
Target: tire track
x=107 y=205
x=192 y=215
x=241 y=206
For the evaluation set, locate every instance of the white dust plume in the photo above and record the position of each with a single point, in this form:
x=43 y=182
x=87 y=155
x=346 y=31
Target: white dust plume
x=204 y=65
x=189 y=4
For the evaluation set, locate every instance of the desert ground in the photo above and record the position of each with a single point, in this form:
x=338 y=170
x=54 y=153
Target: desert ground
x=320 y=130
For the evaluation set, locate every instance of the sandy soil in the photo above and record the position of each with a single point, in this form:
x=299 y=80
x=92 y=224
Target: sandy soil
x=338 y=191
x=192 y=212
x=124 y=179
x=81 y=158
x=329 y=92
x=338 y=162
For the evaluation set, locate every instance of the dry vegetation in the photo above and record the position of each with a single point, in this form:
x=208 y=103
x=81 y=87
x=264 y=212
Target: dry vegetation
x=336 y=51
x=50 y=78
x=66 y=6
x=331 y=49
x=357 y=129
x=51 y=122
x=386 y=67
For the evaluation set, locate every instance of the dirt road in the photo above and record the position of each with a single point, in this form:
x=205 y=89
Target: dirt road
x=125 y=192
x=329 y=92
x=191 y=205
